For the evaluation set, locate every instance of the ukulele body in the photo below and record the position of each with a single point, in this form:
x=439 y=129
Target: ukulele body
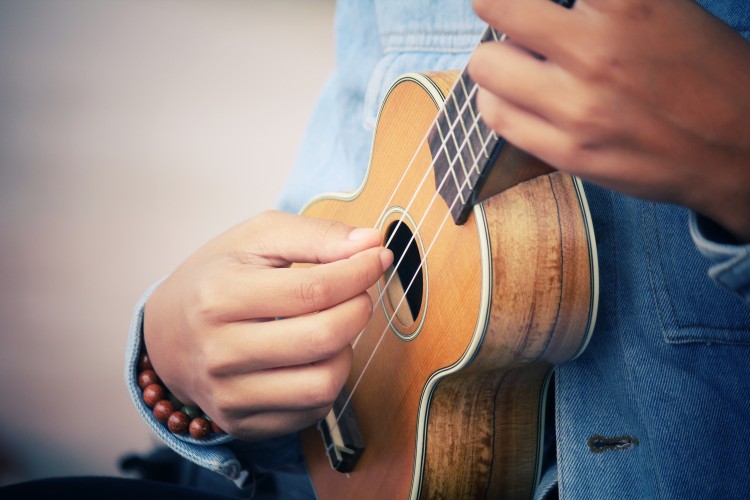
x=451 y=404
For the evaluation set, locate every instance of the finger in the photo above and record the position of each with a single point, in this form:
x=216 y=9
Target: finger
x=514 y=75
x=272 y=293
x=304 y=387
x=273 y=424
x=277 y=239
x=525 y=130
x=246 y=347
x=542 y=26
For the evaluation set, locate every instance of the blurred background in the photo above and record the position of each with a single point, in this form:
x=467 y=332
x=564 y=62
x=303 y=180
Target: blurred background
x=131 y=131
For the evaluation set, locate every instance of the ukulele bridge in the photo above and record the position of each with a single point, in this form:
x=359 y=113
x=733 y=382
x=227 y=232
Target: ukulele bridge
x=341 y=436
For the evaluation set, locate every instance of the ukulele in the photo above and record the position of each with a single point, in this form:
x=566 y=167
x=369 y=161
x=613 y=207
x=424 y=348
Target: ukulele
x=494 y=283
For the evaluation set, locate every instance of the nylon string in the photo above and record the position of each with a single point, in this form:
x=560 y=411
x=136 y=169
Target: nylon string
x=426 y=175
x=450 y=171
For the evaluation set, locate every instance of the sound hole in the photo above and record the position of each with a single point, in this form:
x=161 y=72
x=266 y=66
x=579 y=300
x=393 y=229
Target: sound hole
x=408 y=275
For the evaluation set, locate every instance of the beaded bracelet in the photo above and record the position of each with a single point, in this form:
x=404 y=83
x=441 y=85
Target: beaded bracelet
x=168 y=410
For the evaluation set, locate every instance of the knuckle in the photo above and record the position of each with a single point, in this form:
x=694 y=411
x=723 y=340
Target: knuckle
x=636 y=10
x=323 y=390
x=323 y=340
x=313 y=293
x=574 y=155
x=589 y=120
x=318 y=414
x=490 y=112
x=231 y=427
x=215 y=358
x=207 y=301
x=568 y=155
x=480 y=65
x=601 y=65
x=365 y=306
x=370 y=271
x=219 y=420
x=486 y=8
x=267 y=218
x=224 y=404
x=583 y=115
x=328 y=230
x=361 y=312
x=257 y=225
x=494 y=119
x=595 y=68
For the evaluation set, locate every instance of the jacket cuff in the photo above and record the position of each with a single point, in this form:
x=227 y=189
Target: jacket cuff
x=731 y=259
x=208 y=453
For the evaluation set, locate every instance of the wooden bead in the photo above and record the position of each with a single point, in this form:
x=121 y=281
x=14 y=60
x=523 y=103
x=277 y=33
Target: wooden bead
x=146 y=378
x=153 y=393
x=162 y=410
x=144 y=362
x=178 y=422
x=200 y=428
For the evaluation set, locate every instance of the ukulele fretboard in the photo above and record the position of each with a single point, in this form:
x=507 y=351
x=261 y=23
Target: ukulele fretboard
x=463 y=147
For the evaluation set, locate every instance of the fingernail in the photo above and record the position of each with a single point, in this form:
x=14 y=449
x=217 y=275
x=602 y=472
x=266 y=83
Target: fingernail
x=362 y=233
x=386 y=258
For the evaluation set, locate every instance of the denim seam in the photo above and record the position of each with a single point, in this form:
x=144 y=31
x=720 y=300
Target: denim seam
x=433 y=41
x=678 y=325
x=438 y=32
x=646 y=439
x=675 y=331
x=660 y=263
x=431 y=50
x=652 y=279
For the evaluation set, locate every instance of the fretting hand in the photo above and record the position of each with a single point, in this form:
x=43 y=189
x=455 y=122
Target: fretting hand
x=650 y=98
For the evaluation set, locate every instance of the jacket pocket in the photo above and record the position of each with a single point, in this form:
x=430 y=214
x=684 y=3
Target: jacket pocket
x=692 y=308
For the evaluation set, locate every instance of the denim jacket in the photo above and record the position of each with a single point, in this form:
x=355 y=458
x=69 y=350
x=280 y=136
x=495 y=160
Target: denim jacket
x=658 y=406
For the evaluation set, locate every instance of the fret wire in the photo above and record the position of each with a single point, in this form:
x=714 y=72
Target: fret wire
x=474 y=116
x=477 y=127
x=471 y=145
x=466 y=133
x=450 y=169
x=459 y=118
x=474 y=161
x=458 y=154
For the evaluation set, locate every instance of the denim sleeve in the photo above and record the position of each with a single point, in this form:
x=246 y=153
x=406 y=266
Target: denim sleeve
x=731 y=260
x=213 y=453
